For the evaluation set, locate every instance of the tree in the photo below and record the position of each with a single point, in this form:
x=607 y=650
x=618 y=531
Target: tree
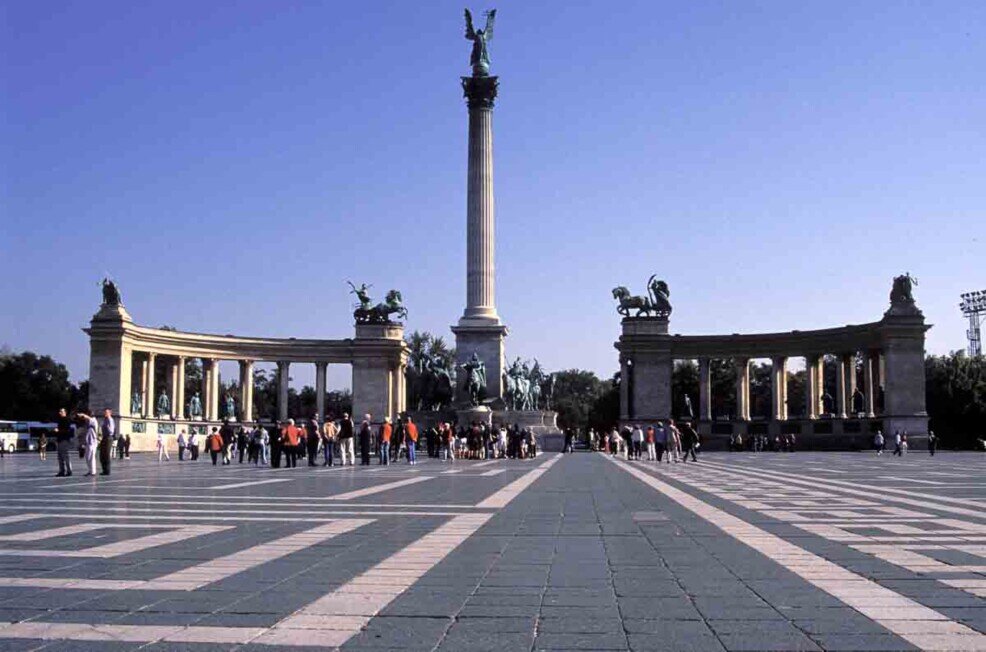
x=605 y=411
x=576 y=393
x=419 y=342
x=956 y=397
x=33 y=387
x=684 y=382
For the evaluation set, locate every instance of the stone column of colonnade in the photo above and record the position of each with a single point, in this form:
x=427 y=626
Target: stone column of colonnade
x=869 y=361
x=812 y=393
x=178 y=388
x=849 y=384
x=320 y=373
x=840 y=388
x=147 y=384
x=283 y=379
x=246 y=390
x=210 y=389
x=742 y=389
x=778 y=386
x=704 y=390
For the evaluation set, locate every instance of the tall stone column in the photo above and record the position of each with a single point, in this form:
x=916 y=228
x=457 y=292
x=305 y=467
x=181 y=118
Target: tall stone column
x=179 y=397
x=283 y=381
x=143 y=389
x=246 y=390
x=214 y=385
x=840 y=388
x=742 y=389
x=849 y=383
x=624 y=388
x=779 y=387
x=320 y=371
x=175 y=410
x=868 y=386
x=206 y=388
x=149 y=397
x=480 y=330
x=812 y=393
x=704 y=390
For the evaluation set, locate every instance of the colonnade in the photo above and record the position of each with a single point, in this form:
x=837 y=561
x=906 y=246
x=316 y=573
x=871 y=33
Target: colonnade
x=846 y=387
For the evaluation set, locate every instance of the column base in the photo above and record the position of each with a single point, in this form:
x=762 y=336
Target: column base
x=485 y=339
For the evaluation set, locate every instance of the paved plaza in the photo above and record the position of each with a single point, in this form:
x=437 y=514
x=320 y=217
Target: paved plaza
x=802 y=551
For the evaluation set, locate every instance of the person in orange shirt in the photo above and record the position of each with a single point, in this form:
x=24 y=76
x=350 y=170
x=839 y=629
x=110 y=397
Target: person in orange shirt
x=411 y=432
x=386 y=430
x=215 y=444
x=291 y=437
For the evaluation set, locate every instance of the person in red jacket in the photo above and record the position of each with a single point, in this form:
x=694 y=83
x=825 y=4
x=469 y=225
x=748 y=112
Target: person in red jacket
x=412 y=440
x=386 y=430
x=291 y=436
x=214 y=443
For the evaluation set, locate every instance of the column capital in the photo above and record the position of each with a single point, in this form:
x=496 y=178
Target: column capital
x=480 y=91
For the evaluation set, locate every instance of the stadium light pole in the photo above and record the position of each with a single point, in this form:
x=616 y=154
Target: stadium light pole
x=973 y=306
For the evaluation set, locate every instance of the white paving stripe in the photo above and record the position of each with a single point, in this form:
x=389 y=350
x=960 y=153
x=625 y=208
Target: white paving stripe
x=118 y=548
x=508 y=493
x=380 y=488
x=340 y=615
x=912 y=621
x=488 y=474
x=240 y=485
x=927 y=501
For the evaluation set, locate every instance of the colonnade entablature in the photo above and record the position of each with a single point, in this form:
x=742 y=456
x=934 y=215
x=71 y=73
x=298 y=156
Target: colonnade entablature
x=887 y=392
x=119 y=348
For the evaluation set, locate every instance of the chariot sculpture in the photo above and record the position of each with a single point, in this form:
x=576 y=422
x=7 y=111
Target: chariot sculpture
x=367 y=313
x=657 y=303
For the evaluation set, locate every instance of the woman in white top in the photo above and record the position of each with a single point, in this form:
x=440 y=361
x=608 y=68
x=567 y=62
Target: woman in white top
x=162 y=451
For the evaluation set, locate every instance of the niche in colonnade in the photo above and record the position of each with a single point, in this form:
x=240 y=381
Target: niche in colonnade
x=265 y=391
x=684 y=382
x=761 y=389
x=722 y=374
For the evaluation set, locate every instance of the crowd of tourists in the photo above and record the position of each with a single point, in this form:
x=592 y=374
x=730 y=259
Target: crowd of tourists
x=338 y=442
x=662 y=441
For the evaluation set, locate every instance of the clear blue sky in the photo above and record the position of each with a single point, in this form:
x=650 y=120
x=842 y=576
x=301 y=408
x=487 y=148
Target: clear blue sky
x=232 y=164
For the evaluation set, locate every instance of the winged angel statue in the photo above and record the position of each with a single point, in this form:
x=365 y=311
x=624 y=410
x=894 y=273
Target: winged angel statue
x=480 y=57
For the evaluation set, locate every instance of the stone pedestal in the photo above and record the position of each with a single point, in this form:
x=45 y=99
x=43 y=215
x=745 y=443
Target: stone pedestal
x=110 y=360
x=646 y=346
x=902 y=333
x=487 y=343
x=379 y=360
x=477 y=414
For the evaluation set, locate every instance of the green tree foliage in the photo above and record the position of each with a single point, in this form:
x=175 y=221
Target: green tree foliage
x=684 y=382
x=33 y=387
x=576 y=393
x=419 y=342
x=956 y=397
x=605 y=411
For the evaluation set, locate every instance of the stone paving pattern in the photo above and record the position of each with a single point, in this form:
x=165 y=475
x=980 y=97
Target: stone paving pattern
x=803 y=551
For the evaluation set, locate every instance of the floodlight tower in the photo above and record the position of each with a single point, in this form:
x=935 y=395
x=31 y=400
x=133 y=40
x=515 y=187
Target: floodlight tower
x=973 y=306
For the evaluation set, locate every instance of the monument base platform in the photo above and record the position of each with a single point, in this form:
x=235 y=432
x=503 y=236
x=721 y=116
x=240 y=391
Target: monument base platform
x=474 y=414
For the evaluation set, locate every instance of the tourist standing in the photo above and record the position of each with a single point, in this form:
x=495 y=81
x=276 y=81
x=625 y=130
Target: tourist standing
x=569 y=441
x=290 y=438
x=411 y=436
x=385 y=433
x=126 y=445
x=162 y=450
x=365 y=433
x=63 y=441
x=214 y=442
x=193 y=445
x=346 y=435
x=636 y=442
x=312 y=437
x=897 y=444
x=181 y=445
x=651 y=448
x=43 y=445
x=107 y=431
x=242 y=442
x=674 y=441
x=90 y=439
x=329 y=433
x=932 y=444
x=227 y=435
x=903 y=443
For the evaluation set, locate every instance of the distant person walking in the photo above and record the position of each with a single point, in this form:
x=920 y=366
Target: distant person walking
x=214 y=443
x=898 y=441
x=63 y=442
x=43 y=446
x=879 y=443
x=689 y=442
x=932 y=444
x=162 y=449
x=107 y=430
x=346 y=435
x=311 y=439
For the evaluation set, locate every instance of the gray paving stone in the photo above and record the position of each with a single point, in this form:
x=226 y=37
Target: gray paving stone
x=609 y=641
